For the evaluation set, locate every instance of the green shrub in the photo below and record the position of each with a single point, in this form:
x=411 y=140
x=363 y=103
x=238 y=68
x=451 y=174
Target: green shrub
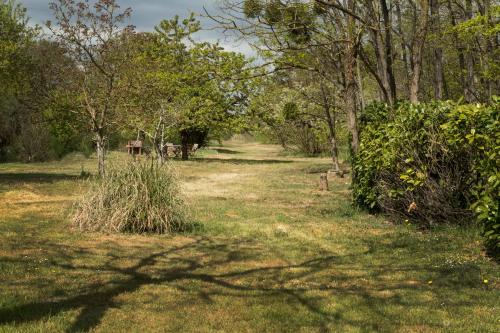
x=431 y=163
x=135 y=198
x=476 y=129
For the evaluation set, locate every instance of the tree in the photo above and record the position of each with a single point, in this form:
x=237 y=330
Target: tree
x=473 y=31
x=183 y=89
x=422 y=24
x=15 y=38
x=438 y=51
x=90 y=31
x=284 y=30
x=300 y=112
x=46 y=128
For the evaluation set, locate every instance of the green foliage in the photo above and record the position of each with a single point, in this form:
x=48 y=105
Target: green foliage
x=299 y=21
x=184 y=87
x=291 y=121
x=35 y=93
x=64 y=129
x=475 y=128
x=15 y=37
x=431 y=163
x=479 y=26
x=135 y=198
x=253 y=8
x=482 y=28
x=291 y=111
x=274 y=11
x=293 y=18
x=37 y=124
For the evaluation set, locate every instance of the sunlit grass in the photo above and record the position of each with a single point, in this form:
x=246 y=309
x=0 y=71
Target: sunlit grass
x=273 y=254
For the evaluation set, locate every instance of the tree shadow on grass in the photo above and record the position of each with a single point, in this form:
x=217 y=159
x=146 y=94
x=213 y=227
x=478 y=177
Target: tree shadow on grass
x=226 y=151
x=238 y=161
x=25 y=177
x=306 y=284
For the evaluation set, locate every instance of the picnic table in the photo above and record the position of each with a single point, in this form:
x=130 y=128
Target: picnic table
x=170 y=148
x=176 y=150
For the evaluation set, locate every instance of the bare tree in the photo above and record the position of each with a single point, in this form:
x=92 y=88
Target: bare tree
x=350 y=60
x=89 y=31
x=281 y=30
x=422 y=25
x=438 y=52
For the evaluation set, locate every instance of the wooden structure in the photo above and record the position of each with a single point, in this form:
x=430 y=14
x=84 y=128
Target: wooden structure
x=134 y=147
x=323 y=182
x=170 y=149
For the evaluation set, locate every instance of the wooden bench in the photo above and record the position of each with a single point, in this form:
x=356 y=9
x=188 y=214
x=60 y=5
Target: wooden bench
x=134 y=147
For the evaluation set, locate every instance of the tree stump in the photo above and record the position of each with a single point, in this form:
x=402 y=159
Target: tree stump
x=323 y=182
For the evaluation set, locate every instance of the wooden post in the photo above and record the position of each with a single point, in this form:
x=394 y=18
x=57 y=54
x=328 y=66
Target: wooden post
x=323 y=182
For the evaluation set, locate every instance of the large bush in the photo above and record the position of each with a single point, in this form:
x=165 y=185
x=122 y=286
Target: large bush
x=431 y=163
x=135 y=198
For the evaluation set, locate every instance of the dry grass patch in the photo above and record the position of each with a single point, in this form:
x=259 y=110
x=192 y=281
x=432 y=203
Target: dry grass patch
x=140 y=197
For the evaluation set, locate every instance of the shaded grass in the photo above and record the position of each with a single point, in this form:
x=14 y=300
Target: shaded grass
x=13 y=178
x=238 y=160
x=274 y=255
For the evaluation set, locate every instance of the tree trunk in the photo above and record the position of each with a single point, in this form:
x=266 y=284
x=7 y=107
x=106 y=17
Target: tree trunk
x=360 y=86
x=185 y=151
x=100 y=150
x=417 y=50
x=389 y=51
x=490 y=49
x=160 y=154
x=380 y=35
x=378 y=49
x=438 y=53
x=460 y=49
x=159 y=142
x=350 y=99
x=331 y=127
x=163 y=153
x=469 y=94
x=404 y=54
x=184 y=146
x=350 y=58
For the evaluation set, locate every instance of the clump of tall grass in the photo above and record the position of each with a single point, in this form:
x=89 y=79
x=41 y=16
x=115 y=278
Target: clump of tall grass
x=139 y=197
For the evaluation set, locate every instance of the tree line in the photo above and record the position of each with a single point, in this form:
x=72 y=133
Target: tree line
x=414 y=83
x=95 y=79
x=374 y=50
x=407 y=91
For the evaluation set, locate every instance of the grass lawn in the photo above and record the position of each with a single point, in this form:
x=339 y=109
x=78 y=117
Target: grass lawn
x=272 y=254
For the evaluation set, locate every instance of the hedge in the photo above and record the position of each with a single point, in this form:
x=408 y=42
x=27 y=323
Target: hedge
x=432 y=163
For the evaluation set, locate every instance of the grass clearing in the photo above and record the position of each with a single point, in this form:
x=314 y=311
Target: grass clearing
x=273 y=255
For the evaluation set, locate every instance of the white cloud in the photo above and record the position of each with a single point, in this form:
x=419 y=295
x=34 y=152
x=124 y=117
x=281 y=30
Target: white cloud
x=148 y=13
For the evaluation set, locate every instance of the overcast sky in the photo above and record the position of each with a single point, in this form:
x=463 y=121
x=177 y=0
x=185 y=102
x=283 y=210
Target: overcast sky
x=148 y=13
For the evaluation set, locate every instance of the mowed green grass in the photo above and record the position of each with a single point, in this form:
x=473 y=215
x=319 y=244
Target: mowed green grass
x=272 y=254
